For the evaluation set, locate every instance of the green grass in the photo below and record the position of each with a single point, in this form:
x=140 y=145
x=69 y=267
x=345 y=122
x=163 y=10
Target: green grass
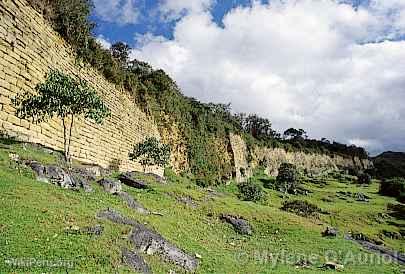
x=34 y=215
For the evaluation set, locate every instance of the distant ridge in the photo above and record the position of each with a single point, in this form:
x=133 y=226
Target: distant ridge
x=390 y=164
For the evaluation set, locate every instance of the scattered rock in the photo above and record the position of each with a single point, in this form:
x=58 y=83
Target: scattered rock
x=132 y=203
x=392 y=234
x=360 y=197
x=151 y=242
x=156 y=177
x=303 y=264
x=333 y=266
x=128 y=180
x=330 y=232
x=115 y=217
x=187 y=201
x=89 y=230
x=198 y=256
x=111 y=186
x=135 y=261
x=240 y=225
x=53 y=174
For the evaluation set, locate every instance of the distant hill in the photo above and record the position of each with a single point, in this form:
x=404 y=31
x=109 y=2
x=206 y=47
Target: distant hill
x=390 y=164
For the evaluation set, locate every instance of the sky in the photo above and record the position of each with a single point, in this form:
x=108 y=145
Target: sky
x=335 y=68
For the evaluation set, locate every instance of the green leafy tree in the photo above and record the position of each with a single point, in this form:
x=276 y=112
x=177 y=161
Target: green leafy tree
x=287 y=179
x=64 y=97
x=151 y=153
x=120 y=51
x=295 y=134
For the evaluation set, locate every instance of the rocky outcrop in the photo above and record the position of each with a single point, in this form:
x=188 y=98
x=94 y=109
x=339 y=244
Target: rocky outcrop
x=54 y=175
x=150 y=242
x=135 y=261
x=132 y=203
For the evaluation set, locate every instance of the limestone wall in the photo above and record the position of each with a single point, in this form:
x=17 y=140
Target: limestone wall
x=272 y=158
x=28 y=49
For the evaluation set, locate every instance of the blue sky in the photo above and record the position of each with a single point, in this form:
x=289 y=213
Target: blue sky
x=332 y=67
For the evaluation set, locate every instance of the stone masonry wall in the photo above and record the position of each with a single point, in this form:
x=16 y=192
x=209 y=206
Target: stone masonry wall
x=29 y=47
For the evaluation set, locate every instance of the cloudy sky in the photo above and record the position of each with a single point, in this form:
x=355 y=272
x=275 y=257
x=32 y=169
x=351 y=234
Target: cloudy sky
x=335 y=68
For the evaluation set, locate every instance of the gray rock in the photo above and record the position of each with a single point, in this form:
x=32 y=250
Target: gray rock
x=132 y=203
x=115 y=217
x=96 y=230
x=330 y=232
x=156 y=177
x=240 y=225
x=151 y=242
x=82 y=182
x=128 y=180
x=54 y=175
x=111 y=186
x=135 y=261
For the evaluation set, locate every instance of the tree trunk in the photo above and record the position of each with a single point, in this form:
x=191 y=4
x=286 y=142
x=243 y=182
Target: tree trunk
x=65 y=144
x=70 y=138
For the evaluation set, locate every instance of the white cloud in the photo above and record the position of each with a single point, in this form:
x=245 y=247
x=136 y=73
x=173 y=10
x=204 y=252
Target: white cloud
x=122 y=12
x=174 y=9
x=104 y=42
x=311 y=64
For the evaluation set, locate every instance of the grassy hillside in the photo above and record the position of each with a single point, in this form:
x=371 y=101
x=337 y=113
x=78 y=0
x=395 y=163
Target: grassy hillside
x=34 y=216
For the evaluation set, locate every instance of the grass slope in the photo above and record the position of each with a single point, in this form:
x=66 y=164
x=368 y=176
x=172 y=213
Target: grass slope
x=33 y=217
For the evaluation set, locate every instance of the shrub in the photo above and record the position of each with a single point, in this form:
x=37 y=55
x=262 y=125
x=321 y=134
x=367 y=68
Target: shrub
x=301 y=208
x=364 y=179
x=251 y=191
x=394 y=188
x=150 y=153
x=287 y=179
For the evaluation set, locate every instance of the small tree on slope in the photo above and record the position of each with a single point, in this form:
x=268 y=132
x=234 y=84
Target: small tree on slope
x=151 y=153
x=64 y=97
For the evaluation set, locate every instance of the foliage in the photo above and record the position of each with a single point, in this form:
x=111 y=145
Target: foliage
x=151 y=153
x=301 y=208
x=287 y=179
x=393 y=187
x=120 y=51
x=364 y=179
x=64 y=97
x=251 y=191
x=294 y=134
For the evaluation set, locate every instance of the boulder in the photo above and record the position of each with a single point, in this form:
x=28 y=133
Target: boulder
x=151 y=242
x=128 y=180
x=330 y=232
x=240 y=225
x=111 y=186
x=135 y=261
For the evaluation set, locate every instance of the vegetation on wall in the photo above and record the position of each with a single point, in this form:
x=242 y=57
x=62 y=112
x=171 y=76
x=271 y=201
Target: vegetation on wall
x=151 y=153
x=204 y=127
x=64 y=97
